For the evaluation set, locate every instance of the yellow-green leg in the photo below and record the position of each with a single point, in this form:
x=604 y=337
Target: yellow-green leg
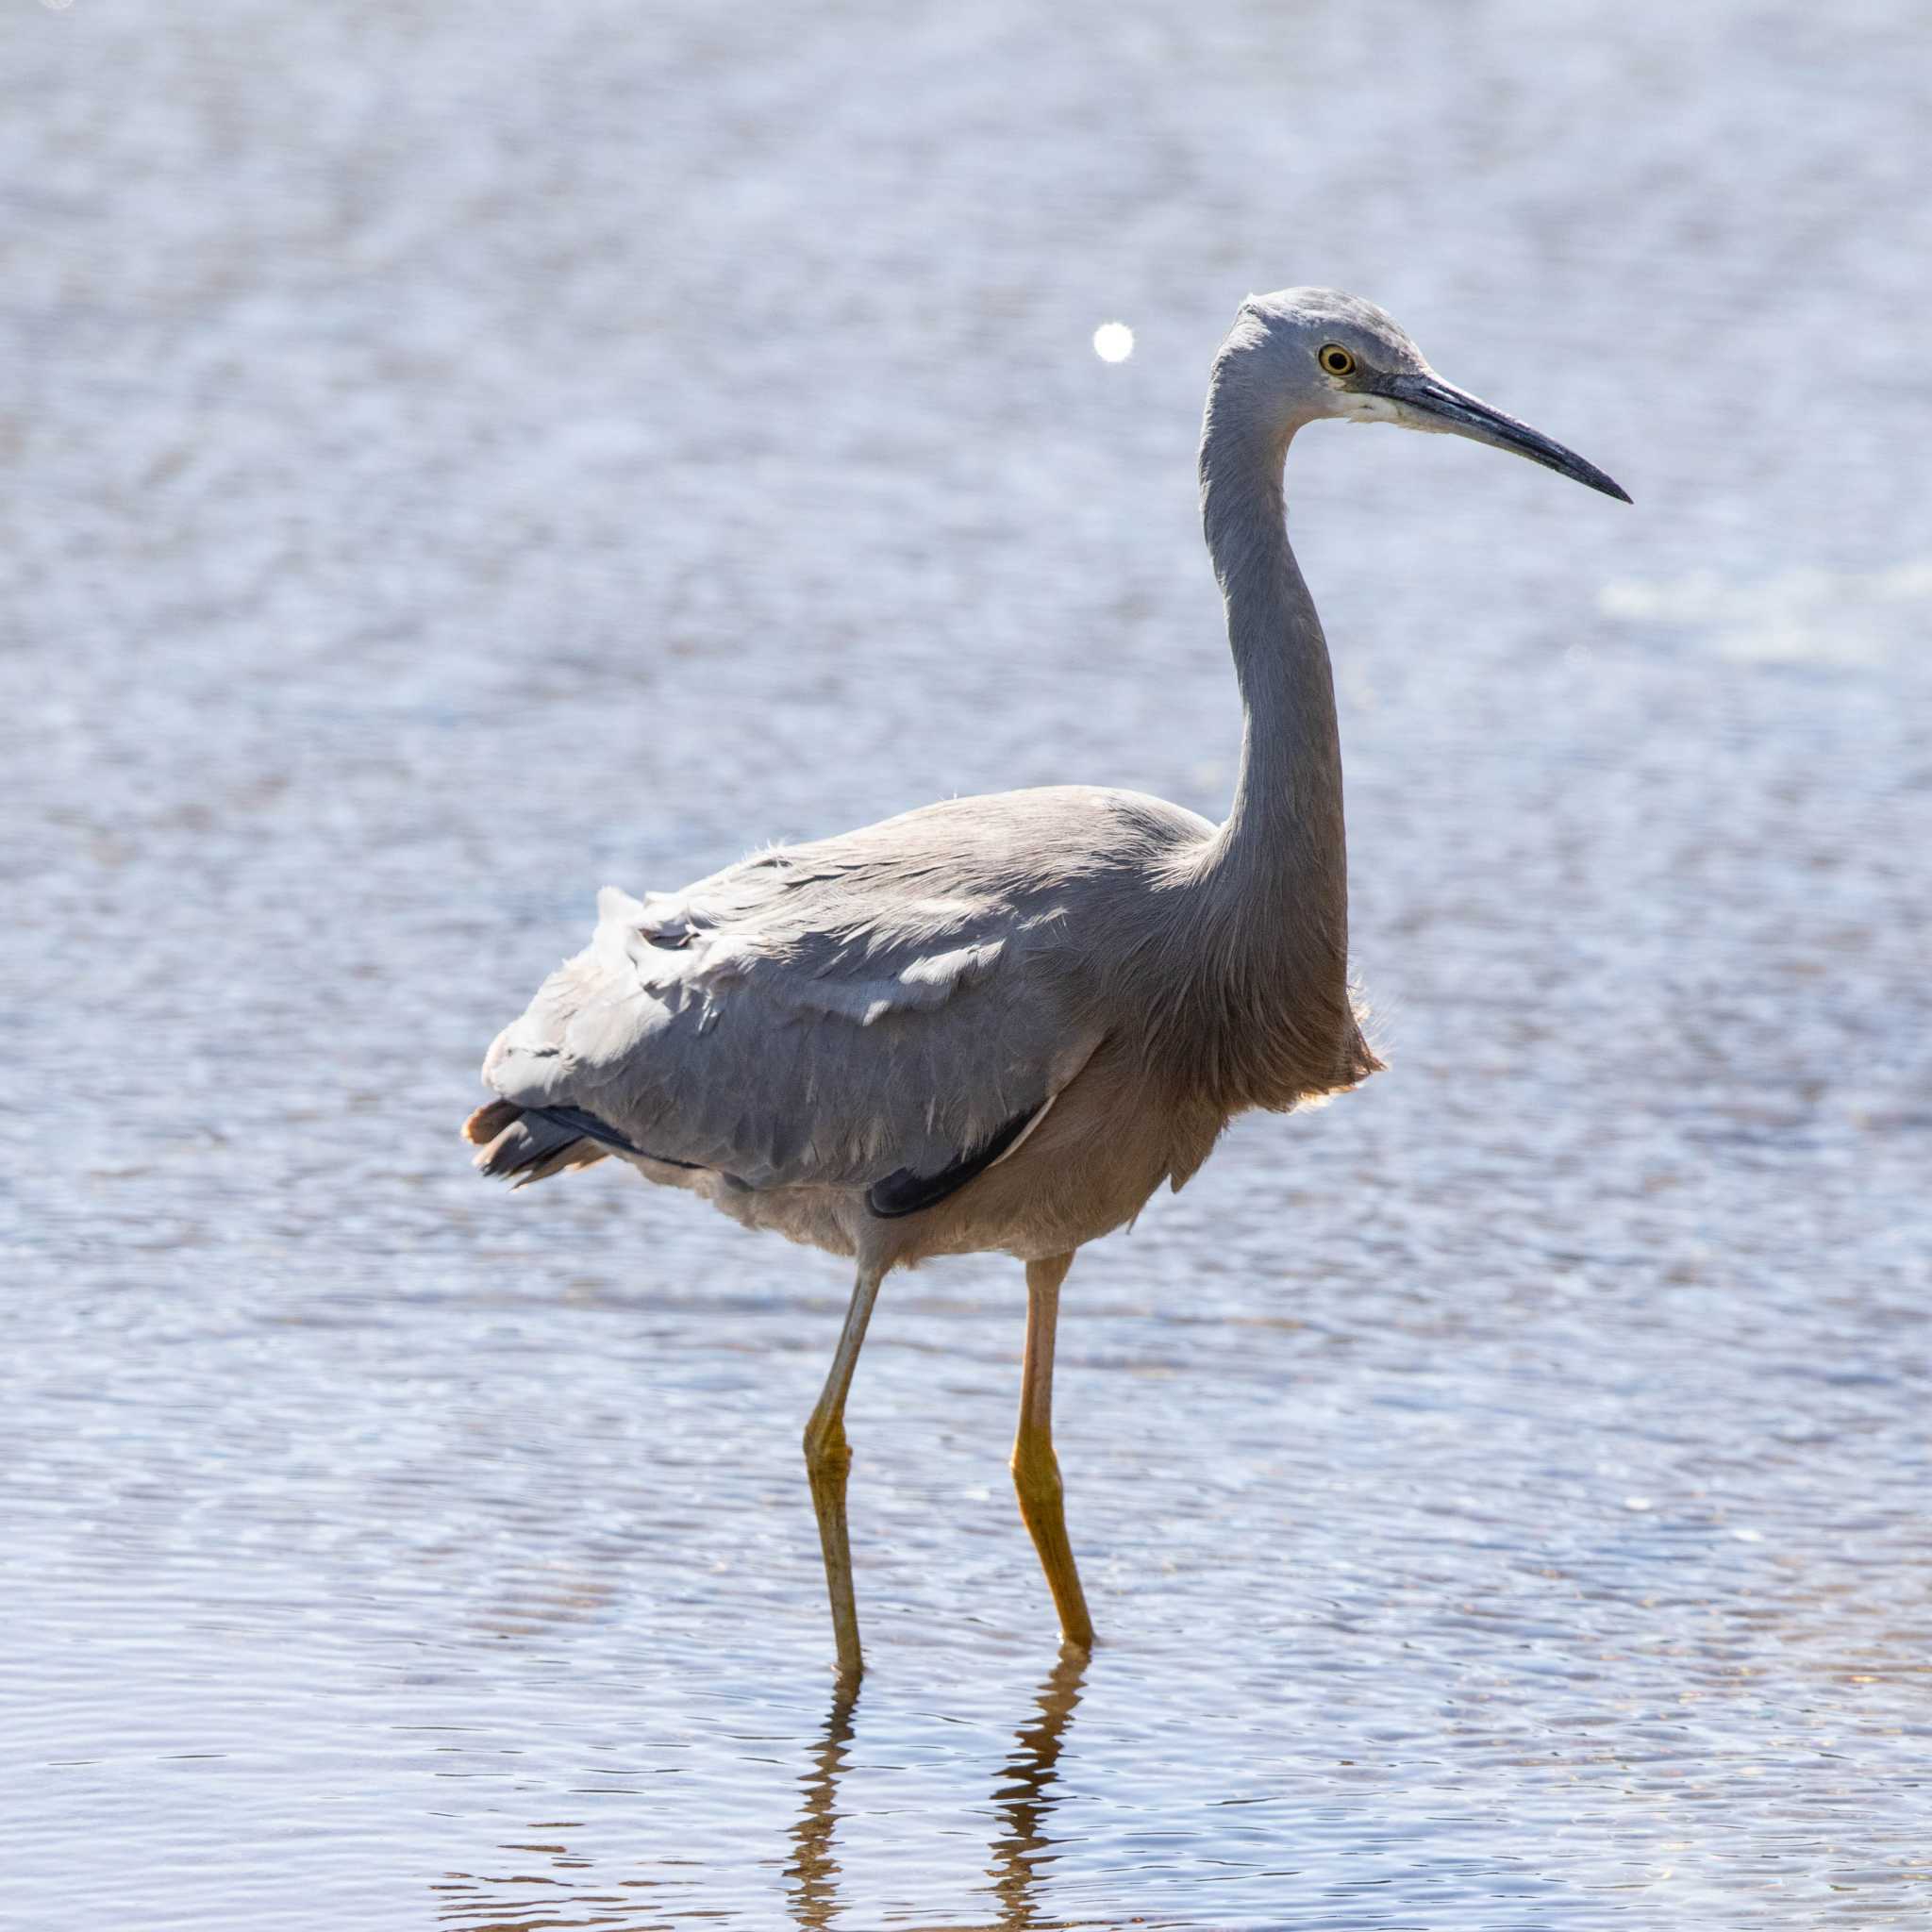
x=1036 y=1470
x=827 y=1461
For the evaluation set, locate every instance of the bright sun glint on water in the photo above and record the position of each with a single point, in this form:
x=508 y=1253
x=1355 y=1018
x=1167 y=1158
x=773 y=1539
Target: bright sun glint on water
x=1113 y=342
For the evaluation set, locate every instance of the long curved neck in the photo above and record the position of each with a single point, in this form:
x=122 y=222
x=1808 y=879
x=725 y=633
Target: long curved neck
x=1249 y=961
x=1282 y=854
x=1266 y=1019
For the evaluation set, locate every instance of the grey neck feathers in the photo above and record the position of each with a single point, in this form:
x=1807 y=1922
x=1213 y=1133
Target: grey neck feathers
x=1284 y=831
x=1270 y=890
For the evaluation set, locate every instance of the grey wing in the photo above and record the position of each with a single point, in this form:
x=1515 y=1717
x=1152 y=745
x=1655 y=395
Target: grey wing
x=800 y=1020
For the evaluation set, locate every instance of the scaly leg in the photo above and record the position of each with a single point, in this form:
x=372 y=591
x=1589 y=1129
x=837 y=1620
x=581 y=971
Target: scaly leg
x=828 y=1460
x=1036 y=1472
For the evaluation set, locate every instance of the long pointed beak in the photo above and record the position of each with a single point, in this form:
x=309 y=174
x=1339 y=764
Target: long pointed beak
x=1444 y=407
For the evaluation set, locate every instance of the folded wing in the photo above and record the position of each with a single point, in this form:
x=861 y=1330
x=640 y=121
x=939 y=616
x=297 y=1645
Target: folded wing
x=846 y=1013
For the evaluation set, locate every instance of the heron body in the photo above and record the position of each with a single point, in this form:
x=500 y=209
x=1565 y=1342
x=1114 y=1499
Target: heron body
x=1002 y=1023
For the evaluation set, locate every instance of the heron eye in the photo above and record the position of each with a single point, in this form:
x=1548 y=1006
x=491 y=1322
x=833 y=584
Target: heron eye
x=1336 y=360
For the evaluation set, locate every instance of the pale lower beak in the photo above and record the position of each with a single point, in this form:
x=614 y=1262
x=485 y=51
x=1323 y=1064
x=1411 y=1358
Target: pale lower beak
x=1461 y=414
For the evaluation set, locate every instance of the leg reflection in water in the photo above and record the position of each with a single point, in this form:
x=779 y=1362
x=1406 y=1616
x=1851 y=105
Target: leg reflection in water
x=1027 y=1797
x=1024 y=1799
x=814 y=1872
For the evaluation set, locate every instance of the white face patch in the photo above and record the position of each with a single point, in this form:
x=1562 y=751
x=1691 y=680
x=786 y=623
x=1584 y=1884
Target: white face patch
x=1358 y=408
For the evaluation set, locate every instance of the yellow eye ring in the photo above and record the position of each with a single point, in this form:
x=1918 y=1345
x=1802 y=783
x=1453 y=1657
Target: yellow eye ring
x=1336 y=360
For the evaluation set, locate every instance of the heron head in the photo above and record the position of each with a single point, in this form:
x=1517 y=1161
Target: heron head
x=1319 y=354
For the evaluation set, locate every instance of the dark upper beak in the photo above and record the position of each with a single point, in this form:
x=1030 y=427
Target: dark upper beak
x=1461 y=414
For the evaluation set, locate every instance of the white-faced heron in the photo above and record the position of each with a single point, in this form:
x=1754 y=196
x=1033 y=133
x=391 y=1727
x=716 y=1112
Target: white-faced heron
x=1001 y=1023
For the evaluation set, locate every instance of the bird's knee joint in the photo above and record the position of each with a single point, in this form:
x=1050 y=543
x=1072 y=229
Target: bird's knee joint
x=1036 y=1476
x=826 y=1450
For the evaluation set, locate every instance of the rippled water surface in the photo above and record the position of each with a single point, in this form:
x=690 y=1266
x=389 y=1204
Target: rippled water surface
x=455 y=457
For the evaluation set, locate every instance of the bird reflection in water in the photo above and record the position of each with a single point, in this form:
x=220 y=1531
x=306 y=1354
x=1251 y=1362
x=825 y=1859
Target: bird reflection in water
x=1024 y=1800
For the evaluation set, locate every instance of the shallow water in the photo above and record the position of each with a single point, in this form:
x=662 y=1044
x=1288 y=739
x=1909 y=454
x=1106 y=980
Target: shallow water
x=454 y=461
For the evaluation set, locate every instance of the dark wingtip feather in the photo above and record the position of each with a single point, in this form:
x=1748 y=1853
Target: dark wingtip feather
x=530 y=1143
x=905 y=1192
x=526 y=1146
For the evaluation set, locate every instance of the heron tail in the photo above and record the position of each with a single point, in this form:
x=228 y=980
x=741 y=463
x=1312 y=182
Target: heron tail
x=524 y=1144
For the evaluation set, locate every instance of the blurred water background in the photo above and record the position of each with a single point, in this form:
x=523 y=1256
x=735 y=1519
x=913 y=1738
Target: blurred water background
x=456 y=456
